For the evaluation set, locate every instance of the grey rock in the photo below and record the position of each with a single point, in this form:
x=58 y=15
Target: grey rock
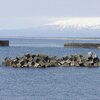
x=72 y=63
x=66 y=64
x=42 y=61
x=36 y=65
x=7 y=61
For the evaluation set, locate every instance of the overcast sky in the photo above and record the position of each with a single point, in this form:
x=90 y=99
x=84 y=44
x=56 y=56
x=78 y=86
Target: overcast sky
x=27 y=13
x=49 y=8
x=18 y=13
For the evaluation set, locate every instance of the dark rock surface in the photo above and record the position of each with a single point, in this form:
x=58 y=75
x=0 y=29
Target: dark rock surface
x=4 y=42
x=43 y=61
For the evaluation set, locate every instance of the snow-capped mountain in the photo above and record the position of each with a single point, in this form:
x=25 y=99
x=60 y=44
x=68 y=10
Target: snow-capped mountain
x=76 y=23
x=65 y=27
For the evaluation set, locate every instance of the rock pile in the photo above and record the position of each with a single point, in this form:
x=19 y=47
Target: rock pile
x=31 y=61
x=42 y=61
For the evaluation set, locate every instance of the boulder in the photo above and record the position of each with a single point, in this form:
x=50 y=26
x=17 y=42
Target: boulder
x=72 y=63
x=76 y=64
x=7 y=61
x=62 y=62
x=68 y=61
x=66 y=64
x=36 y=65
x=18 y=65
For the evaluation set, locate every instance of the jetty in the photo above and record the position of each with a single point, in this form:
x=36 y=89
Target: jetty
x=4 y=42
x=82 y=45
x=44 y=61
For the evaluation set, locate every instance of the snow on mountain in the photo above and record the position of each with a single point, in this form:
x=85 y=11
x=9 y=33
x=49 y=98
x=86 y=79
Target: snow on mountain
x=64 y=27
x=76 y=23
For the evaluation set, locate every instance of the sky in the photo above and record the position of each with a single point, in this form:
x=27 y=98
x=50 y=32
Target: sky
x=22 y=14
x=49 y=8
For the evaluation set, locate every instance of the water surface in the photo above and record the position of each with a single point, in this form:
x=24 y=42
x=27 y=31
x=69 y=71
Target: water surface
x=58 y=83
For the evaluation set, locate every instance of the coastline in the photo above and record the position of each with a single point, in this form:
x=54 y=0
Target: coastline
x=60 y=38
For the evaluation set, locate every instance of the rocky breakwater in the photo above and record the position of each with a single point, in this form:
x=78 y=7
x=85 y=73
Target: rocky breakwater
x=82 y=45
x=4 y=42
x=31 y=60
x=43 y=61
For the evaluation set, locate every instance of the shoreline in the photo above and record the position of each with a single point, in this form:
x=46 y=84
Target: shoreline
x=60 y=38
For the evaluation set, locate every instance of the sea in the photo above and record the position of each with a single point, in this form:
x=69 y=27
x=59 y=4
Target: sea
x=56 y=83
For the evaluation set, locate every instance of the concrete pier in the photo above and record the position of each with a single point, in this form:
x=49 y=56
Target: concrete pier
x=82 y=45
x=4 y=42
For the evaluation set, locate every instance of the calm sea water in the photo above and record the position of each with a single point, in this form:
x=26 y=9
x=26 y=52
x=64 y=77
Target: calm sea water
x=50 y=83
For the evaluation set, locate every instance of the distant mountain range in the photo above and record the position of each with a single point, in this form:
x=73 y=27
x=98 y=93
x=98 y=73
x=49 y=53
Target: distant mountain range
x=76 y=23
x=61 y=28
